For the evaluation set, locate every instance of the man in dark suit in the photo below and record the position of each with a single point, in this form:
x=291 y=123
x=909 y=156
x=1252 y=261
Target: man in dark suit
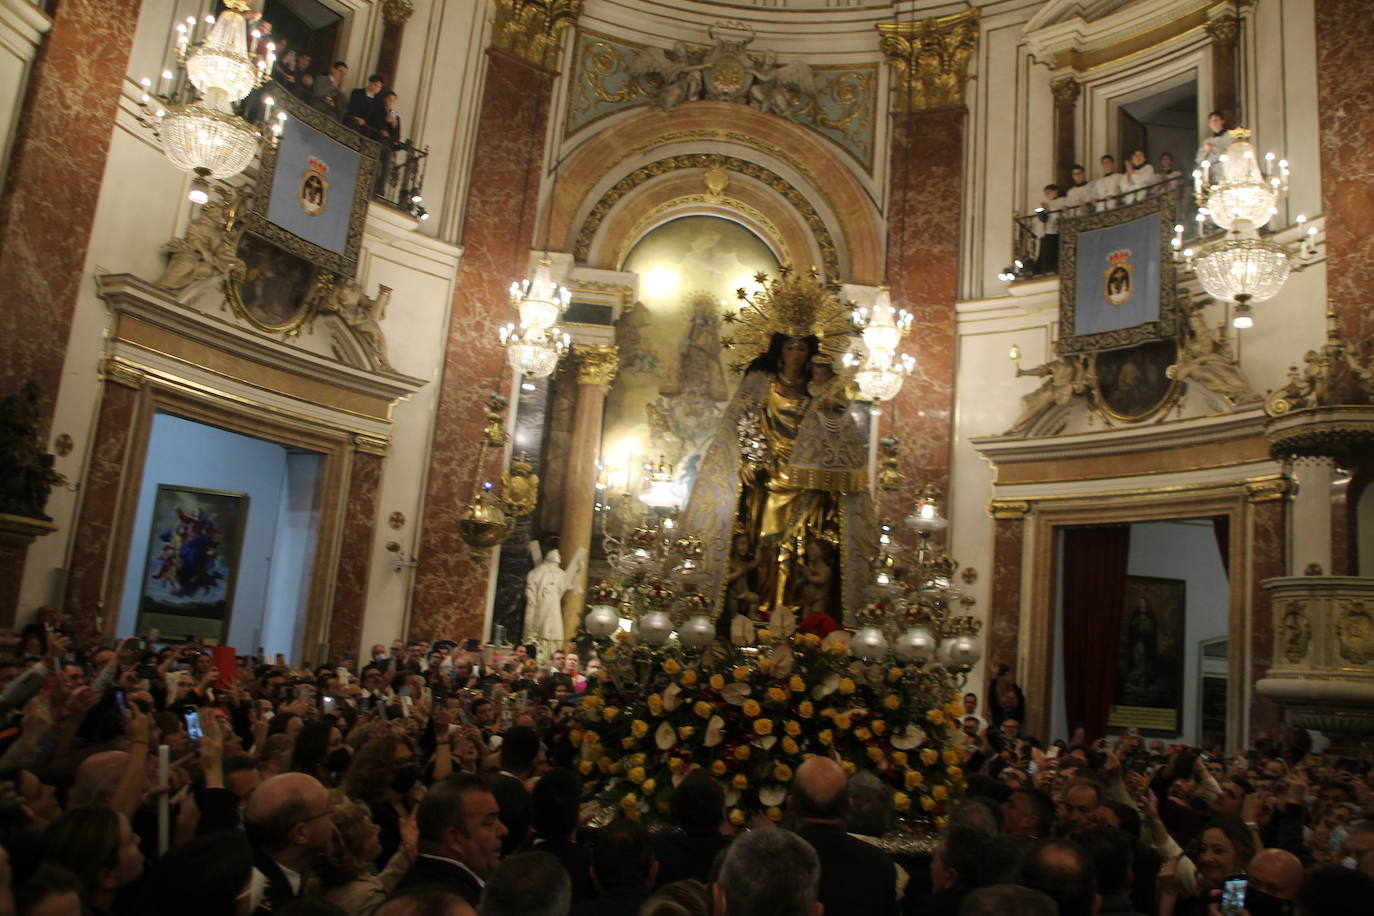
x=623 y=870
x=530 y=884
x=363 y=105
x=460 y=838
x=289 y=827
x=856 y=877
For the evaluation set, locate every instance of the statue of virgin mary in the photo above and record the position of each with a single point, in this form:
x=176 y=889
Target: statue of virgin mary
x=786 y=465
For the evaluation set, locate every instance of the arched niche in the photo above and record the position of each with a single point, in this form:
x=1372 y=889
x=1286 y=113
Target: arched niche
x=807 y=188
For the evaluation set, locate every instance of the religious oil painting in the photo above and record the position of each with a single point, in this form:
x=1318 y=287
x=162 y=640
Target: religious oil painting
x=1133 y=384
x=675 y=375
x=272 y=290
x=192 y=563
x=1149 y=664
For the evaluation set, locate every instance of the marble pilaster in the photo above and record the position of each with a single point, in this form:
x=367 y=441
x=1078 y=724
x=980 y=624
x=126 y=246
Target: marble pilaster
x=498 y=229
x=48 y=202
x=1066 y=91
x=1225 y=75
x=1267 y=561
x=596 y=369
x=1004 y=596
x=1345 y=91
x=355 y=555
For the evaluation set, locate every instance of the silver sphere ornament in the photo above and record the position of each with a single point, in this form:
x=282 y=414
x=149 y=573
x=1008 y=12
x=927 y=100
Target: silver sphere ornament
x=916 y=645
x=697 y=632
x=602 y=620
x=655 y=627
x=964 y=652
x=868 y=642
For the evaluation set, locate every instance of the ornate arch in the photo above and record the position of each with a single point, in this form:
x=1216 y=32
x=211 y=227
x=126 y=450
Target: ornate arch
x=806 y=179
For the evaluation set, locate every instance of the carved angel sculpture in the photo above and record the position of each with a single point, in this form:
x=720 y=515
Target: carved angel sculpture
x=1205 y=357
x=207 y=250
x=1065 y=379
x=677 y=71
x=363 y=315
x=775 y=83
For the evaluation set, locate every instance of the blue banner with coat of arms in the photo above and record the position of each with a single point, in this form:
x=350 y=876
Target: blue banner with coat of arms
x=1117 y=279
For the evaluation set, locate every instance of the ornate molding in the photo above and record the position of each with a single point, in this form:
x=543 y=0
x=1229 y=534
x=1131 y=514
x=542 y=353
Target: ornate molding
x=1324 y=432
x=114 y=369
x=1066 y=92
x=706 y=200
x=1268 y=490
x=1355 y=631
x=597 y=365
x=1292 y=630
x=830 y=257
x=532 y=29
x=1223 y=30
x=929 y=59
x=371 y=445
x=1012 y=509
x=397 y=12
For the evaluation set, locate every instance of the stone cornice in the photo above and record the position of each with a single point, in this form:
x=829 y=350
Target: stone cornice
x=1059 y=31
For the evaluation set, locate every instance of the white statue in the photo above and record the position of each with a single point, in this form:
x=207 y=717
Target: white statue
x=545 y=586
x=363 y=315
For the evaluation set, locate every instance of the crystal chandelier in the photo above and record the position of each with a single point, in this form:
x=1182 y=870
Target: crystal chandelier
x=194 y=115
x=532 y=352
x=536 y=344
x=880 y=372
x=1240 y=196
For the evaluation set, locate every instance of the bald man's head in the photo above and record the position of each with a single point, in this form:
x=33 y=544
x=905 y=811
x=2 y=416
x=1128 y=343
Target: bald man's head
x=97 y=777
x=1276 y=872
x=820 y=791
x=283 y=804
x=427 y=902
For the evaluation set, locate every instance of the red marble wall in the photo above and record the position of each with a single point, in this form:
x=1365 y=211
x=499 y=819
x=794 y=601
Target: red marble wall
x=1004 y=593
x=922 y=268
x=100 y=489
x=355 y=556
x=1267 y=560
x=48 y=203
x=450 y=587
x=1345 y=90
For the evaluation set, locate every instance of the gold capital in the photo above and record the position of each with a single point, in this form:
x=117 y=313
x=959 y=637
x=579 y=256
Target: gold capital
x=116 y=370
x=396 y=12
x=371 y=445
x=1223 y=30
x=929 y=59
x=1065 y=91
x=597 y=365
x=530 y=29
x=1267 y=489
x=1008 y=508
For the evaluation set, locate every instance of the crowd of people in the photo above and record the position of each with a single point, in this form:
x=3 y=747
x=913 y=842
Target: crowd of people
x=437 y=780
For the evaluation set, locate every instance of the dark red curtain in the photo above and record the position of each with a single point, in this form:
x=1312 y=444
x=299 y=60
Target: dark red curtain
x=1093 y=591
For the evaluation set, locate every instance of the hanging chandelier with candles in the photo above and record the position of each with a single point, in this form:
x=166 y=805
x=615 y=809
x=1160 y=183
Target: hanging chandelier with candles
x=881 y=370
x=222 y=59
x=537 y=343
x=1240 y=195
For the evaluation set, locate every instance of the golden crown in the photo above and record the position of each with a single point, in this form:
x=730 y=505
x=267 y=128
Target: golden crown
x=795 y=304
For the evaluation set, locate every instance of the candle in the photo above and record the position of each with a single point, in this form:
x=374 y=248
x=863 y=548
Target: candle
x=146 y=84
x=1197 y=181
x=1206 y=170
x=1014 y=352
x=166 y=83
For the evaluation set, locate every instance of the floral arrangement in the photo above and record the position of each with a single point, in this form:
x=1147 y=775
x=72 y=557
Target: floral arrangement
x=751 y=716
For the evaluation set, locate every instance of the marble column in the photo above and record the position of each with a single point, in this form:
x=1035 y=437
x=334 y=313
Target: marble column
x=451 y=582
x=355 y=556
x=1004 y=597
x=1268 y=560
x=1225 y=74
x=1066 y=91
x=596 y=368
x=1345 y=90
x=48 y=203
x=395 y=14
x=929 y=59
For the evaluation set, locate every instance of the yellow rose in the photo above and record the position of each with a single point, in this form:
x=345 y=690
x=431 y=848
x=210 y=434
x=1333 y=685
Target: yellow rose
x=689 y=677
x=829 y=713
x=813 y=639
x=838 y=648
x=751 y=708
x=636 y=774
x=611 y=712
x=702 y=708
x=848 y=767
x=826 y=736
x=656 y=704
x=629 y=800
x=604 y=764
x=805 y=709
x=591 y=701
x=929 y=756
x=782 y=773
x=639 y=728
x=685 y=731
x=637 y=760
x=862 y=733
x=842 y=721
x=774 y=814
x=741 y=673
x=586 y=766
x=765 y=665
x=951 y=757
x=793 y=727
x=940 y=792
x=763 y=726
x=718 y=767
x=954 y=773
x=671 y=666
x=675 y=763
x=914 y=778
x=894 y=674
x=878 y=726
x=875 y=754
x=789 y=746
x=796 y=684
x=615 y=766
x=648 y=786
x=927 y=803
x=955 y=710
x=899 y=758
x=717 y=682
x=575 y=737
x=627 y=743
x=763 y=634
x=740 y=781
x=777 y=694
x=892 y=701
x=942 y=822
x=935 y=716
x=846 y=685
x=901 y=801
x=742 y=752
x=737 y=817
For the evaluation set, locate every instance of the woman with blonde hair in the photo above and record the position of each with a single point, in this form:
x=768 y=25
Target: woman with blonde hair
x=344 y=875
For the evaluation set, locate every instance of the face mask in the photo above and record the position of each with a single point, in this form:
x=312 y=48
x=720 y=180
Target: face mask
x=338 y=760
x=1349 y=862
x=404 y=778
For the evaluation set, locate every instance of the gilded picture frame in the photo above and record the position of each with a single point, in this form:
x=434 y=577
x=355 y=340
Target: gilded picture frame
x=1131 y=385
x=272 y=290
x=1150 y=657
